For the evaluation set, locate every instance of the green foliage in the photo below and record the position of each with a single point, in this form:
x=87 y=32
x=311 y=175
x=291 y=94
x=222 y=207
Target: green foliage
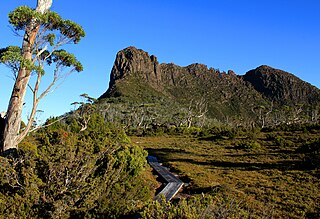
x=296 y=127
x=51 y=24
x=249 y=145
x=28 y=147
x=72 y=30
x=209 y=206
x=43 y=35
x=274 y=176
x=279 y=140
x=12 y=57
x=52 y=21
x=11 y=53
x=312 y=153
x=270 y=136
x=50 y=38
x=22 y=16
x=61 y=173
x=253 y=134
x=62 y=57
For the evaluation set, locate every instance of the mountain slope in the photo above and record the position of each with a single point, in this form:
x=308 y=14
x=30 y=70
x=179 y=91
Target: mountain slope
x=197 y=90
x=282 y=87
x=139 y=77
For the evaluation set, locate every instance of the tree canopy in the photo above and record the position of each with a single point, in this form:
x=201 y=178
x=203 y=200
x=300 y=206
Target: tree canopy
x=45 y=32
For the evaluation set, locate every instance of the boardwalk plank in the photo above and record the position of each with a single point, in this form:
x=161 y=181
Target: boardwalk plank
x=174 y=184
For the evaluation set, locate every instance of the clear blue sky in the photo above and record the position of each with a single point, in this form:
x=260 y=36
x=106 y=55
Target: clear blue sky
x=225 y=34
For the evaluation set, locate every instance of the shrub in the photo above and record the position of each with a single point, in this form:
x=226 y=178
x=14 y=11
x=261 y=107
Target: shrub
x=249 y=145
x=58 y=173
x=270 y=136
x=207 y=206
x=312 y=153
x=279 y=141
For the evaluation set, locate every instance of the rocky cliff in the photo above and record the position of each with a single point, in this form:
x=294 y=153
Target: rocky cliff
x=140 y=78
x=136 y=64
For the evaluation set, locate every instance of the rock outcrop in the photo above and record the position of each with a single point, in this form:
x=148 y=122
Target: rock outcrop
x=133 y=62
x=282 y=87
x=138 y=77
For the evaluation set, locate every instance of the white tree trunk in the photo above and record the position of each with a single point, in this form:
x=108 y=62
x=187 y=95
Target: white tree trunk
x=11 y=137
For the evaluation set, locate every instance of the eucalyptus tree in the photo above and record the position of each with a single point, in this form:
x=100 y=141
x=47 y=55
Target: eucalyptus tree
x=85 y=110
x=44 y=32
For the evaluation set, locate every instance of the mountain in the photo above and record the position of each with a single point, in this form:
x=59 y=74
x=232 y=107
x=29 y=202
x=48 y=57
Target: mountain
x=196 y=91
x=282 y=87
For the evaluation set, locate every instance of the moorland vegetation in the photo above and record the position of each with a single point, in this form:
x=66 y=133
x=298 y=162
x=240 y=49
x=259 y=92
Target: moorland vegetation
x=246 y=146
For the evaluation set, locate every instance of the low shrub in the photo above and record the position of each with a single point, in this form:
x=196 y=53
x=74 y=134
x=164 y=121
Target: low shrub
x=58 y=173
x=280 y=141
x=248 y=145
x=270 y=136
x=206 y=206
x=311 y=151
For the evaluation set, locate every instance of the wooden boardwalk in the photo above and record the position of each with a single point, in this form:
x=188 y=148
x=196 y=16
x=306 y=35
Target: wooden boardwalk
x=173 y=183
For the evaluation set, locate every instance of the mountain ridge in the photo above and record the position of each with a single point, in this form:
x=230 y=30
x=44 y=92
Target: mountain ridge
x=139 y=77
x=269 y=81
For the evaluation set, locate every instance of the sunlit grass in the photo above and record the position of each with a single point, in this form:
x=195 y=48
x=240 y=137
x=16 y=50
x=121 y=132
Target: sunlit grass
x=272 y=175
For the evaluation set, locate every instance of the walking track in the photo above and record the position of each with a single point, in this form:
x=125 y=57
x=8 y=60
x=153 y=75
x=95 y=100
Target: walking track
x=173 y=183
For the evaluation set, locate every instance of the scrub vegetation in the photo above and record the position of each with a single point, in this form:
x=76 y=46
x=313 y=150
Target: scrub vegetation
x=59 y=172
x=246 y=146
x=269 y=172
